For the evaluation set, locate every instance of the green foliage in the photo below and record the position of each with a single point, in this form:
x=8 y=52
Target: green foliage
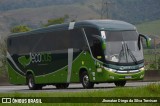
x=149 y=28
x=20 y=28
x=153 y=88
x=158 y=61
x=57 y=20
x=152 y=66
x=3 y=61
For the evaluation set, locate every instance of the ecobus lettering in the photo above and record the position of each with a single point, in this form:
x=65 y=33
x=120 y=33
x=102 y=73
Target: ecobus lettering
x=39 y=57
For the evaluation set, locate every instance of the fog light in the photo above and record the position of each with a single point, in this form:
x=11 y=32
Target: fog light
x=112 y=77
x=99 y=70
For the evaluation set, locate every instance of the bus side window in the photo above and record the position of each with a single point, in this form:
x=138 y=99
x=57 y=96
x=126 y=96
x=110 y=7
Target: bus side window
x=77 y=39
x=94 y=43
x=9 y=42
x=9 y=45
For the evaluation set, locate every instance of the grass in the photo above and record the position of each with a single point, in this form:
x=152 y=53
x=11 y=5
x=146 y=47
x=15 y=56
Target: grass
x=150 y=58
x=149 y=28
x=151 y=90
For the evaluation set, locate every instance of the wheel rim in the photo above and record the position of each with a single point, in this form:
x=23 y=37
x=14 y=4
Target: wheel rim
x=31 y=83
x=85 y=80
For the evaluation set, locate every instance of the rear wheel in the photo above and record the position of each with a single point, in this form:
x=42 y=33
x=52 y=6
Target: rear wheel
x=85 y=81
x=31 y=83
x=120 y=83
x=62 y=86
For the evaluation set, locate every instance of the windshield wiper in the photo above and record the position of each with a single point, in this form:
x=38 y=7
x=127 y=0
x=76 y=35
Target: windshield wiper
x=122 y=53
x=131 y=54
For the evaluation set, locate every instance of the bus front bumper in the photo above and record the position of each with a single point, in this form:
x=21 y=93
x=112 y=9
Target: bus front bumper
x=111 y=76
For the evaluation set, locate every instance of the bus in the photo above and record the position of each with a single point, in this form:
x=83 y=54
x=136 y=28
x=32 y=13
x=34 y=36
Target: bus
x=88 y=52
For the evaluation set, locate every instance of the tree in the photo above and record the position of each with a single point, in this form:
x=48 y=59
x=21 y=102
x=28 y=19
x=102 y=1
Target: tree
x=57 y=20
x=158 y=63
x=20 y=28
x=3 y=55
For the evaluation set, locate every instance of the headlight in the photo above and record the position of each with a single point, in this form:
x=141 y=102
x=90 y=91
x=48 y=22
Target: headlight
x=112 y=70
x=141 y=68
x=109 y=69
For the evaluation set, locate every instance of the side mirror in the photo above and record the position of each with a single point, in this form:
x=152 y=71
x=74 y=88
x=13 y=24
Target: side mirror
x=148 y=39
x=101 y=40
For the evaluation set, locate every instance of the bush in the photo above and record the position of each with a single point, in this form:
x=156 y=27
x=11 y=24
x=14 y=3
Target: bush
x=20 y=28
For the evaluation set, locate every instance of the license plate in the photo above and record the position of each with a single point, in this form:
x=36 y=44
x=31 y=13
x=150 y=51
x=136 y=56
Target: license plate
x=128 y=77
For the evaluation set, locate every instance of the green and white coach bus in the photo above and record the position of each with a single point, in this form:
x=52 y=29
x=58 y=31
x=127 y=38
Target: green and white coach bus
x=90 y=52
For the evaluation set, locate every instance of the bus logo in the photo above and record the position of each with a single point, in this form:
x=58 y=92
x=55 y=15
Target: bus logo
x=35 y=58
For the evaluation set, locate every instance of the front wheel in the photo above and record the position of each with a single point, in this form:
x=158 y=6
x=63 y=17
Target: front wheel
x=120 y=83
x=85 y=81
x=31 y=83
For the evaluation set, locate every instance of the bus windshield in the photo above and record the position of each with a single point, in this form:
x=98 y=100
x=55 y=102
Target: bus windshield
x=122 y=47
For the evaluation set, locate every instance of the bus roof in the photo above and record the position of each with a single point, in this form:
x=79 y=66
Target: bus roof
x=112 y=25
x=107 y=24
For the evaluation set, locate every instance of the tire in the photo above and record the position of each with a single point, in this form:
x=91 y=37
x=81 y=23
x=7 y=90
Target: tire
x=62 y=86
x=31 y=83
x=85 y=81
x=120 y=83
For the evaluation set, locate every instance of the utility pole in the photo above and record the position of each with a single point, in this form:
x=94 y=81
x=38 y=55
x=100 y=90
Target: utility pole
x=105 y=8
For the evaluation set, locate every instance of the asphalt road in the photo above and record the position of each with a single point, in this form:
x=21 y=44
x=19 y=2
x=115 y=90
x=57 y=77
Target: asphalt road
x=72 y=87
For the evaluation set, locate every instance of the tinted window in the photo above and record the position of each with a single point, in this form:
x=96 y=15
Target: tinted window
x=57 y=40
x=95 y=44
x=60 y=40
x=90 y=32
x=121 y=36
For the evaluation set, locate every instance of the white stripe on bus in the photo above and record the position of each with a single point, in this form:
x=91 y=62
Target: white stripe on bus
x=71 y=25
x=13 y=62
x=70 y=60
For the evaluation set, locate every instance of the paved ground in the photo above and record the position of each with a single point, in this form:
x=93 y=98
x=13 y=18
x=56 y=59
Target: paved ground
x=72 y=87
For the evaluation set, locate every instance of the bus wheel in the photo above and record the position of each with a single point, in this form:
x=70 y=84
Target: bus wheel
x=62 y=86
x=31 y=83
x=120 y=83
x=85 y=81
